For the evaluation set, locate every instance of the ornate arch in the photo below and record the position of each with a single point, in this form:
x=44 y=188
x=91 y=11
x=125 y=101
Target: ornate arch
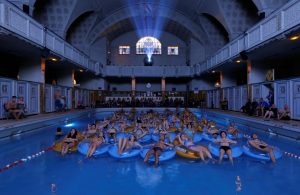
x=124 y=13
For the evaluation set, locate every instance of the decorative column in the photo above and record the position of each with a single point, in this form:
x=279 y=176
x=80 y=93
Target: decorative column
x=42 y=86
x=133 y=87
x=163 y=88
x=221 y=85
x=249 y=69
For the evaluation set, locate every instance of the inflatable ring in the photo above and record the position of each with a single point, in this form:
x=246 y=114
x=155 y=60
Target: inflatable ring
x=197 y=137
x=230 y=136
x=83 y=148
x=208 y=137
x=172 y=129
x=255 y=153
x=151 y=129
x=198 y=129
x=185 y=152
x=145 y=138
x=237 y=151
x=165 y=155
x=58 y=146
x=212 y=123
x=129 y=129
x=113 y=151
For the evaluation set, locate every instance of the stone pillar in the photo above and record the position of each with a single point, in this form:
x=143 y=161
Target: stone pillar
x=249 y=78
x=133 y=87
x=163 y=88
x=221 y=84
x=42 y=86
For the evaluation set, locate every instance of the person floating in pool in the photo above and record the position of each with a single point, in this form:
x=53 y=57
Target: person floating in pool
x=126 y=144
x=201 y=150
x=224 y=146
x=112 y=133
x=94 y=144
x=189 y=131
x=162 y=132
x=212 y=130
x=156 y=150
x=262 y=146
x=58 y=134
x=69 y=141
x=232 y=129
x=122 y=126
x=91 y=131
x=140 y=132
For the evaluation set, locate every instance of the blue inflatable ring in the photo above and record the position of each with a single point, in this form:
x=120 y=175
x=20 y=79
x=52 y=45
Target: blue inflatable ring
x=145 y=138
x=165 y=155
x=208 y=137
x=254 y=153
x=113 y=151
x=84 y=146
x=237 y=151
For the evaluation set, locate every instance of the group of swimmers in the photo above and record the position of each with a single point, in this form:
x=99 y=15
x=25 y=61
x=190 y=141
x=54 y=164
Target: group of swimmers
x=184 y=123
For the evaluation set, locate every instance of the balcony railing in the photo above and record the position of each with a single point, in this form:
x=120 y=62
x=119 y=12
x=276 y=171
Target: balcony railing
x=147 y=71
x=282 y=20
x=15 y=20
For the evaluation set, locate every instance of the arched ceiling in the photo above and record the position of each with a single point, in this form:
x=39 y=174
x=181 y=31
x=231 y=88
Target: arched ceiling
x=126 y=25
x=213 y=23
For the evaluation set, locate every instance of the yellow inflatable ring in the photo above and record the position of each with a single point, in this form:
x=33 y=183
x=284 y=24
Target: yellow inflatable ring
x=58 y=146
x=173 y=129
x=185 y=152
x=129 y=129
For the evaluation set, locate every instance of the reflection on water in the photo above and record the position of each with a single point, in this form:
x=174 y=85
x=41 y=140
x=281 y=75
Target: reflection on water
x=172 y=171
x=148 y=176
x=124 y=168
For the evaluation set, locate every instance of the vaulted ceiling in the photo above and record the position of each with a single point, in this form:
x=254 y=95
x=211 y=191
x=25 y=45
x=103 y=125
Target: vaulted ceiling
x=211 y=22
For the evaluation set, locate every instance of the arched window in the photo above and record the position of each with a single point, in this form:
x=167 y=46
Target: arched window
x=148 y=45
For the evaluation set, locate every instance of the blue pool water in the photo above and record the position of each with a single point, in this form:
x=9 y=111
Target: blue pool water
x=106 y=175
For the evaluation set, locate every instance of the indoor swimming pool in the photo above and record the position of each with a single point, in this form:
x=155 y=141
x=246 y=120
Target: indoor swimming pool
x=51 y=173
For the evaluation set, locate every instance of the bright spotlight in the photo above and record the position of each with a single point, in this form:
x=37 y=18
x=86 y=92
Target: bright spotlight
x=69 y=125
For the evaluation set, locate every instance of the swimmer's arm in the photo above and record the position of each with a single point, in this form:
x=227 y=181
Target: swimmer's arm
x=254 y=144
x=180 y=140
x=167 y=144
x=232 y=141
x=139 y=145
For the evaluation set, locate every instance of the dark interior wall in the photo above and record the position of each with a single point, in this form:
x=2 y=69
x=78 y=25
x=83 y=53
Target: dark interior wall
x=285 y=67
x=9 y=65
x=287 y=70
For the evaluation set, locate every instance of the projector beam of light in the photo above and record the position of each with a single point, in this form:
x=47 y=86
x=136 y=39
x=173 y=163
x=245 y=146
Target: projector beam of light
x=149 y=20
x=149 y=57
